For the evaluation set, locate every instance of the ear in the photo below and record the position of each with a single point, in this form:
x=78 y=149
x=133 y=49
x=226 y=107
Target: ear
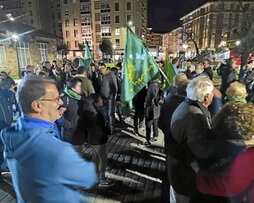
x=36 y=106
x=206 y=97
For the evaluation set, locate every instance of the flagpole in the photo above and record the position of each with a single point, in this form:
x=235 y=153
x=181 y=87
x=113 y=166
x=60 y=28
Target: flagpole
x=163 y=74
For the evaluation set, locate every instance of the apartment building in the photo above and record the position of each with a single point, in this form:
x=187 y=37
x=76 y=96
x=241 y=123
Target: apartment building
x=172 y=41
x=153 y=39
x=95 y=20
x=213 y=24
x=41 y=14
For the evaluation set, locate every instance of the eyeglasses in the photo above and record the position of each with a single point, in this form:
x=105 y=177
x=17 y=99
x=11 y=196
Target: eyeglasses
x=52 y=100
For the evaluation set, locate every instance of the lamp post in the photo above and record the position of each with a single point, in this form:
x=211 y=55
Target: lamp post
x=114 y=48
x=15 y=39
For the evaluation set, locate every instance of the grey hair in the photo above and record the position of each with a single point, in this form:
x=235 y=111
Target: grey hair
x=198 y=88
x=31 y=89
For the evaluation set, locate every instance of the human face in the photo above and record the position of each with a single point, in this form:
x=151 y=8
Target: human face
x=208 y=99
x=99 y=102
x=48 y=105
x=103 y=69
x=206 y=64
x=3 y=76
x=67 y=68
x=78 y=89
x=48 y=65
x=188 y=63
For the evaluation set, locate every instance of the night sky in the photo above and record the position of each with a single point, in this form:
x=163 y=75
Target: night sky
x=164 y=15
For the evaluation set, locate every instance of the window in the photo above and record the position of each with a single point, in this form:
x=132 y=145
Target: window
x=128 y=18
x=31 y=13
x=117 y=42
x=32 y=21
x=128 y=6
x=43 y=48
x=117 y=19
x=116 y=6
x=85 y=20
x=67 y=33
x=97 y=5
x=105 y=31
x=117 y=31
x=85 y=9
x=86 y=32
x=97 y=17
x=105 y=19
x=97 y=28
x=68 y=44
x=65 y=1
x=105 y=7
x=74 y=1
x=66 y=23
x=66 y=12
x=23 y=54
x=76 y=44
x=2 y=56
x=75 y=21
x=75 y=33
x=84 y=1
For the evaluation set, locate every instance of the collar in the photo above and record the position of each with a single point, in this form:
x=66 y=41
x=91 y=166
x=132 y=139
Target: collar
x=31 y=122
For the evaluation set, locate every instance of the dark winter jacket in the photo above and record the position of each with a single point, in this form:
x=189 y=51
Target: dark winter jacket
x=109 y=86
x=152 y=107
x=190 y=128
x=209 y=72
x=73 y=124
x=95 y=123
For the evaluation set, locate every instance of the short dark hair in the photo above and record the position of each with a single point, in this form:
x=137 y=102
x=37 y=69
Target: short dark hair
x=175 y=60
x=81 y=69
x=103 y=64
x=3 y=72
x=46 y=62
x=74 y=82
x=31 y=89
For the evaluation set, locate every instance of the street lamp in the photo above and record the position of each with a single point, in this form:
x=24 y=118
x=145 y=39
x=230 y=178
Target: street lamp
x=130 y=23
x=15 y=38
x=185 y=46
x=238 y=42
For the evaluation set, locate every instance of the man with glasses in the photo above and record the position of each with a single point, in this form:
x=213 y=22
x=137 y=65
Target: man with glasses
x=43 y=168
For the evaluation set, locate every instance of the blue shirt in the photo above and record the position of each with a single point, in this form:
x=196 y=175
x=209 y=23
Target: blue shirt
x=44 y=169
x=175 y=69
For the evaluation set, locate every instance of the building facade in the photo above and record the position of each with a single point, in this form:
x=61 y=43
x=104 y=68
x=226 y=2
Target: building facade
x=212 y=25
x=18 y=51
x=153 y=39
x=172 y=41
x=41 y=14
x=95 y=20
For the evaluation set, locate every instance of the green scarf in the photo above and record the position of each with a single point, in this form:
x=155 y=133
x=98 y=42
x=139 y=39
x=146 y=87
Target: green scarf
x=72 y=94
x=230 y=98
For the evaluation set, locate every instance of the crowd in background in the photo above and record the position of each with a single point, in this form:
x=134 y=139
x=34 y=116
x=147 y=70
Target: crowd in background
x=207 y=131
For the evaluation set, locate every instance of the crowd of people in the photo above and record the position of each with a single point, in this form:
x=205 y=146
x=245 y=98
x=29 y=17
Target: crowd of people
x=207 y=131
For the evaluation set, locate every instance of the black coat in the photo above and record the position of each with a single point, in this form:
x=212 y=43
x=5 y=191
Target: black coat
x=109 y=86
x=152 y=108
x=73 y=124
x=209 y=72
x=190 y=128
x=96 y=127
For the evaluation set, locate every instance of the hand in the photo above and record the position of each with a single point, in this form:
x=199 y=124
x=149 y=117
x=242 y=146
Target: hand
x=249 y=143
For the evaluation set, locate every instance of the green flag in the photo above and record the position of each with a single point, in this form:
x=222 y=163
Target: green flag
x=87 y=58
x=169 y=72
x=139 y=67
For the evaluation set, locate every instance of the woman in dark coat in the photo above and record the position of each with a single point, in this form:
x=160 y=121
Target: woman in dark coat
x=97 y=135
